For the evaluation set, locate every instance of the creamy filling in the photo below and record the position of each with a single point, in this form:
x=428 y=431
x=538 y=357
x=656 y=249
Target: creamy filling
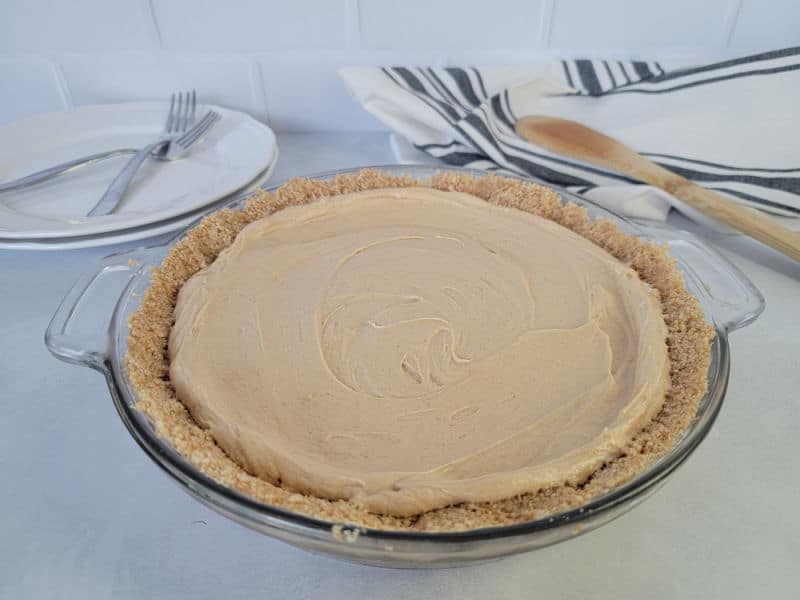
x=413 y=348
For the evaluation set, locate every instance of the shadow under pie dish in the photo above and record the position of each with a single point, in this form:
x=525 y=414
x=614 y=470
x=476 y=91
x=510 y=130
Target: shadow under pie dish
x=454 y=360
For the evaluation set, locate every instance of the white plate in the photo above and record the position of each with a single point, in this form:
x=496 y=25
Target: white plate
x=129 y=235
x=236 y=151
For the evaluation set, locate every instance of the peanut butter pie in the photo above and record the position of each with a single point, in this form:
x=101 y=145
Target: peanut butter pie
x=444 y=355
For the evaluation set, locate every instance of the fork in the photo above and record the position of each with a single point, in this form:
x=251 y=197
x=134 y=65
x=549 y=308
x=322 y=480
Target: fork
x=180 y=117
x=65 y=167
x=173 y=151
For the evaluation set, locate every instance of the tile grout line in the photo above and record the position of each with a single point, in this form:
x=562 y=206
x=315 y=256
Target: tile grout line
x=259 y=87
x=731 y=19
x=546 y=24
x=353 y=41
x=63 y=86
x=156 y=29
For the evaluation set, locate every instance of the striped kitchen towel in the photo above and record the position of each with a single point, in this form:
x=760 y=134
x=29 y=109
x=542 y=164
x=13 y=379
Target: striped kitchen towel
x=732 y=126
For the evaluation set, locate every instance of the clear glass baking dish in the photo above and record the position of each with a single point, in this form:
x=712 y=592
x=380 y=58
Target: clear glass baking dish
x=90 y=329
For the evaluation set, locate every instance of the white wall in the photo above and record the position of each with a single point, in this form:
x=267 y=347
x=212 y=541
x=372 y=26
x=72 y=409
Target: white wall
x=276 y=59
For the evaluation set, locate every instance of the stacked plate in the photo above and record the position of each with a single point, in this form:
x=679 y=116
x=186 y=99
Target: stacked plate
x=237 y=154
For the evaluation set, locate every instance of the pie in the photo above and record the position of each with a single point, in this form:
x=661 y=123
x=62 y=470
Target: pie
x=443 y=355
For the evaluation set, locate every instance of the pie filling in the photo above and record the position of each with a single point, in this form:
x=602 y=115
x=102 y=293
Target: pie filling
x=409 y=348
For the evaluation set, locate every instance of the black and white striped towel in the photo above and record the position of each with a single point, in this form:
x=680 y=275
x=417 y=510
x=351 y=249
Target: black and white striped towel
x=733 y=126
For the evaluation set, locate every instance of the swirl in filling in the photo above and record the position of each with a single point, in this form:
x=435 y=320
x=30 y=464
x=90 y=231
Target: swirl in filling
x=413 y=348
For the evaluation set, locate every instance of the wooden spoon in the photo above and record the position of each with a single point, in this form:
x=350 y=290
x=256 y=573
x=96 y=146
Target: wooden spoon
x=584 y=143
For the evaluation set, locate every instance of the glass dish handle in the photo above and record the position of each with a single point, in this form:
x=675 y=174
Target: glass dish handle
x=79 y=332
x=727 y=295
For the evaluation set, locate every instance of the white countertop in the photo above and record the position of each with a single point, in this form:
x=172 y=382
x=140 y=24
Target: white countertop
x=85 y=514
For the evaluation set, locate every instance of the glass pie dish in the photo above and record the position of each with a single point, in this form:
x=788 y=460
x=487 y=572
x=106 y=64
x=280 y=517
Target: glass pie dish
x=90 y=328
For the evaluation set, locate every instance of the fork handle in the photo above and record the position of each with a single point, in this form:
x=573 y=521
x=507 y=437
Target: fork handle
x=65 y=167
x=116 y=191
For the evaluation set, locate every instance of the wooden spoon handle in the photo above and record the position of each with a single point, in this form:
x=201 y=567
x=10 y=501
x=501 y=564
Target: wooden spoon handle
x=742 y=218
x=583 y=143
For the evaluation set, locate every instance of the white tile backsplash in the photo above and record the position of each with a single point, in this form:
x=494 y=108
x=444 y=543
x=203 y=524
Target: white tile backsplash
x=29 y=86
x=226 y=80
x=636 y=26
x=305 y=93
x=277 y=59
x=244 y=25
x=36 y=26
x=427 y=24
x=781 y=18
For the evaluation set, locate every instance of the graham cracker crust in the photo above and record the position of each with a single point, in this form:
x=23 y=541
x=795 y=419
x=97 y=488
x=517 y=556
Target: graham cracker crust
x=147 y=363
